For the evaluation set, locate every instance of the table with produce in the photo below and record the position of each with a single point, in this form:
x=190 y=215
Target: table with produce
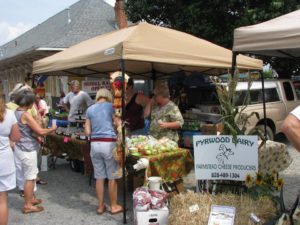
x=166 y=159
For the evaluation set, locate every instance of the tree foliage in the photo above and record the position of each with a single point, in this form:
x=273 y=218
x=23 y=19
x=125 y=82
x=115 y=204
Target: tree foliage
x=212 y=20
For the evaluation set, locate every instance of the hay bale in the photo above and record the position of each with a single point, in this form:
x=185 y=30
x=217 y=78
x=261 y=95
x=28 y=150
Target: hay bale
x=264 y=208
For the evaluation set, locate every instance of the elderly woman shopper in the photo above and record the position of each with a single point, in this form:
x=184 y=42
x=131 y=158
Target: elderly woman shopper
x=9 y=131
x=33 y=111
x=27 y=147
x=165 y=115
x=99 y=126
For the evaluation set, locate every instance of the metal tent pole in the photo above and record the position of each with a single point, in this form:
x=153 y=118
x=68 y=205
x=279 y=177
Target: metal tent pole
x=264 y=103
x=123 y=141
x=233 y=63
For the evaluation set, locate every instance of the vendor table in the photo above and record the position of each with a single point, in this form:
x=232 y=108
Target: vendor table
x=75 y=149
x=170 y=166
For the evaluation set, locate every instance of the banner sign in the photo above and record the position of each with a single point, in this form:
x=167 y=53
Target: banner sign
x=218 y=158
x=92 y=86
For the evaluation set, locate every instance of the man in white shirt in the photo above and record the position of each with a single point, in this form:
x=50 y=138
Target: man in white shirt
x=291 y=127
x=76 y=101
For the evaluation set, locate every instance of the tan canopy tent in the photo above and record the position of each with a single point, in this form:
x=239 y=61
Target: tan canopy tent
x=278 y=37
x=143 y=48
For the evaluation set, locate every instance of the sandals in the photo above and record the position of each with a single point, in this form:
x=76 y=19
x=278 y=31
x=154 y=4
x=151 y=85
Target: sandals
x=22 y=194
x=35 y=209
x=36 y=201
x=41 y=182
x=100 y=212
x=116 y=212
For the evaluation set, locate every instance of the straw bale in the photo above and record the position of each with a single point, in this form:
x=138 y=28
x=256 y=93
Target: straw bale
x=264 y=208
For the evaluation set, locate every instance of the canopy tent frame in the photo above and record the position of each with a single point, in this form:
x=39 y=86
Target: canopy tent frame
x=278 y=37
x=160 y=50
x=234 y=57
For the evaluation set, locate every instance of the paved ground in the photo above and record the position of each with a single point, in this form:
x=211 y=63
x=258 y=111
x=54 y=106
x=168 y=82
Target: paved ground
x=69 y=200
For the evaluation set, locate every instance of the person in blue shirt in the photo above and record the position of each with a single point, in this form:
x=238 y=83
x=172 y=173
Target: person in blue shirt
x=99 y=126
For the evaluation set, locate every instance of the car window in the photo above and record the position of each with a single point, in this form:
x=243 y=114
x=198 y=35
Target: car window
x=256 y=96
x=297 y=89
x=288 y=91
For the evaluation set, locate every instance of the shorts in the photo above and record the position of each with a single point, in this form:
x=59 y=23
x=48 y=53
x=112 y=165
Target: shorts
x=103 y=160
x=8 y=182
x=26 y=164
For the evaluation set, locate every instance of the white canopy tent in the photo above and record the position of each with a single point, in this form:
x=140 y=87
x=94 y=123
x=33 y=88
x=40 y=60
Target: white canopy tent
x=279 y=37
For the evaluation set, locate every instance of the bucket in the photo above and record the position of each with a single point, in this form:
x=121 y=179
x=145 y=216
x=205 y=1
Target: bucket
x=154 y=183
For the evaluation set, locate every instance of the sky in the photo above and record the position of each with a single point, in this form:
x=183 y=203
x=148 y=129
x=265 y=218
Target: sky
x=19 y=16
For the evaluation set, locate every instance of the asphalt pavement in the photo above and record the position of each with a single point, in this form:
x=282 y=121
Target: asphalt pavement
x=68 y=200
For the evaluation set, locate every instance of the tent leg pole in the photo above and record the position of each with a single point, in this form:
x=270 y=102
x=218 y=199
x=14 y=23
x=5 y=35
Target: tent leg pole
x=264 y=103
x=233 y=64
x=123 y=141
x=153 y=77
x=32 y=81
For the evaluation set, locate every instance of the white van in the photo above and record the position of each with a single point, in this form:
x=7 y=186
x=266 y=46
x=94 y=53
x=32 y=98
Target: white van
x=281 y=96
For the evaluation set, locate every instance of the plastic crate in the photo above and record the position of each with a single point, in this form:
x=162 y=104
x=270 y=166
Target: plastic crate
x=188 y=138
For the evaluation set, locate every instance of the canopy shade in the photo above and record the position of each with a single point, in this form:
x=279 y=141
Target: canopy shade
x=144 y=48
x=278 y=37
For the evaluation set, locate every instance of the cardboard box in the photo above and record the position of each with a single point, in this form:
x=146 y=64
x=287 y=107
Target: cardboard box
x=212 y=129
x=151 y=217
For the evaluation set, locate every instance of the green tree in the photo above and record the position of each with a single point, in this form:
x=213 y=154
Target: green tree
x=213 y=20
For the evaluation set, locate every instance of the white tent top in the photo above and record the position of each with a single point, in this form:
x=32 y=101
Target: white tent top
x=144 y=48
x=278 y=37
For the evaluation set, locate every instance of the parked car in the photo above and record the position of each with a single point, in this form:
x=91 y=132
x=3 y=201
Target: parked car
x=281 y=96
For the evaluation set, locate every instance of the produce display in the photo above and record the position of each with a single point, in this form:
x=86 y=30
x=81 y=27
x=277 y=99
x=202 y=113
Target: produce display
x=148 y=145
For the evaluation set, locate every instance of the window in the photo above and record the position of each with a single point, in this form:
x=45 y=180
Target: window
x=297 y=89
x=256 y=96
x=288 y=91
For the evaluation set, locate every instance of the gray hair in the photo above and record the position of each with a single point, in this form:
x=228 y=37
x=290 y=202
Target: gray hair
x=162 y=89
x=18 y=87
x=104 y=93
x=24 y=97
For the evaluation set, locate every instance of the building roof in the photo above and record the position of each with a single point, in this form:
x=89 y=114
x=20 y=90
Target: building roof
x=83 y=20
